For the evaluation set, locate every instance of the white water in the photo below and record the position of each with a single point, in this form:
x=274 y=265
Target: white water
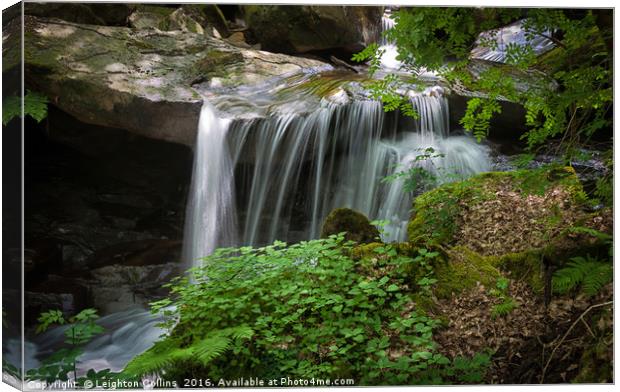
x=388 y=60
x=210 y=219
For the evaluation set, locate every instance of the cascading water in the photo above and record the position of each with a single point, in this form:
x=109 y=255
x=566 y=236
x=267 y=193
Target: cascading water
x=388 y=60
x=210 y=215
x=304 y=166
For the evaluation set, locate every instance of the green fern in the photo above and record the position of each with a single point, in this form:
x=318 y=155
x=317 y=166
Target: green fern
x=588 y=273
x=160 y=357
x=208 y=349
x=165 y=354
x=504 y=308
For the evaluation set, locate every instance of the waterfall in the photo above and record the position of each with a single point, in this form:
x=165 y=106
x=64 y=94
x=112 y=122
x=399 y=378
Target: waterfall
x=292 y=169
x=210 y=220
x=388 y=59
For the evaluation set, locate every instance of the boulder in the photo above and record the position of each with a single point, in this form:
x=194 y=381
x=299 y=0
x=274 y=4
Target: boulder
x=520 y=222
x=149 y=17
x=195 y=18
x=355 y=224
x=96 y=14
x=302 y=29
x=138 y=80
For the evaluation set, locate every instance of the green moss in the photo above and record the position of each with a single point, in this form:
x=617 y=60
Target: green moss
x=524 y=266
x=462 y=271
x=426 y=305
x=365 y=250
x=355 y=224
x=436 y=213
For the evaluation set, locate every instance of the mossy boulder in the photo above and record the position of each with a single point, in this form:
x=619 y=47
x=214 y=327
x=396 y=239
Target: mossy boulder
x=355 y=224
x=501 y=212
x=508 y=223
x=302 y=29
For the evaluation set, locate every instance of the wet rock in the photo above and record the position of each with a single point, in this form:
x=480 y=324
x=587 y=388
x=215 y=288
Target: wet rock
x=119 y=287
x=355 y=224
x=99 y=197
x=194 y=18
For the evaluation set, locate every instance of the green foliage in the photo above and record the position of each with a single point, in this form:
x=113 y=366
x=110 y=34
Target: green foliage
x=508 y=304
x=504 y=308
x=418 y=176
x=587 y=273
x=478 y=116
x=470 y=370
x=203 y=351
x=568 y=91
x=80 y=330
x=11 y=369
x=35 y=106
x=304 y=310
x=523 y=160
x=604 y=190
x=380 y=225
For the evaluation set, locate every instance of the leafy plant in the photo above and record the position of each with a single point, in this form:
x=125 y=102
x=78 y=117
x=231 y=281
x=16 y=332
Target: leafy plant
x=419 y=176
x=504 y=308
x=508 y=304
x=380 y=225
x=80 y=330
x=11 y=369
x=470 y=370
x=569 y=90
x=304 y=310
x=587 y=273
x=35 y=106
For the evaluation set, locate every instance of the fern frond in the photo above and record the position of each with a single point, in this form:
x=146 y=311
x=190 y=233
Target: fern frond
x=242 y=332
x=218 y=342
x=590 y=273
x=210 y=348
x=598 y=277
x=158 y=358
x=504 y=308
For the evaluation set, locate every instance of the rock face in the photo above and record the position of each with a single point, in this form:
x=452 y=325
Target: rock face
x=103 y=215
x=138 y=80
x=355 y=224
x=302 y=29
